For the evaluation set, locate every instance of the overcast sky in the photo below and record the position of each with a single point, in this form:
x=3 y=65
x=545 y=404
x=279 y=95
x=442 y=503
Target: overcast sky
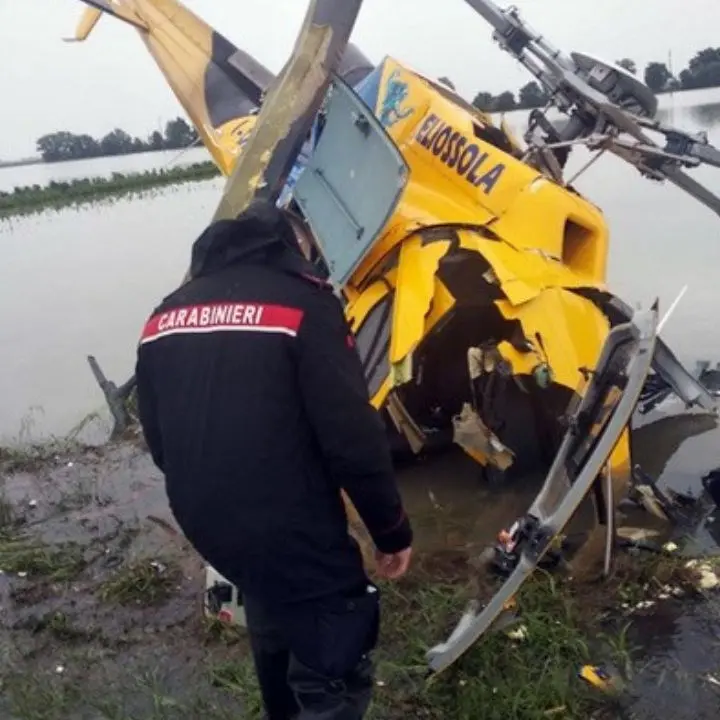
x=111 y=81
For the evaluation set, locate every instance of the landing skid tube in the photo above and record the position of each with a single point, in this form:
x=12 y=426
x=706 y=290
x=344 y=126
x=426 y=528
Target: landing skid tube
x=595 y=429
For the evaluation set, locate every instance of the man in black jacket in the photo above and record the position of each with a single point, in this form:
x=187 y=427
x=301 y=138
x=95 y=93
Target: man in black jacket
x=253 y=403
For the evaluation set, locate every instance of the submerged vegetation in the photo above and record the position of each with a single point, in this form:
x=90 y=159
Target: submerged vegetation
x=35 y=198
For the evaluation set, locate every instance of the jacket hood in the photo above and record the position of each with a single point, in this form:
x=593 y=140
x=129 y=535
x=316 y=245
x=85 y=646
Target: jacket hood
x=262 y=235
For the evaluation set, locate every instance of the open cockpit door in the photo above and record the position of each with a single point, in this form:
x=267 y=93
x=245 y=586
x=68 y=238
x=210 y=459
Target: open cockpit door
x=352 y=183
x=594 y=429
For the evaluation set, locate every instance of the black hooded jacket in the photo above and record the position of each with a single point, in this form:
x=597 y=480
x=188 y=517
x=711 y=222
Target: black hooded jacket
x=253 y=404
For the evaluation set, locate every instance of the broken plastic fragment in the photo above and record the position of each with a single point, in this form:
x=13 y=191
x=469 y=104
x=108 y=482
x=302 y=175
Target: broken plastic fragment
x=644 y=604
x=518 y=634
x=708 y=579
x=601 y=677
x=472 y=435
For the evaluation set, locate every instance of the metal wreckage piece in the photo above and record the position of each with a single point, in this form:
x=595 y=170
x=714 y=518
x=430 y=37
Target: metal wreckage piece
x=357 y=155
x=595 y=428
x=604 y=104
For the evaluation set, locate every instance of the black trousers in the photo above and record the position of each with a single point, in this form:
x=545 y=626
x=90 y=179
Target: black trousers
x=313 y=660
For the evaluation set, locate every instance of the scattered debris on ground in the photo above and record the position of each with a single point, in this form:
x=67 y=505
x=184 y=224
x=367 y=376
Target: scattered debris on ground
x=102 y=613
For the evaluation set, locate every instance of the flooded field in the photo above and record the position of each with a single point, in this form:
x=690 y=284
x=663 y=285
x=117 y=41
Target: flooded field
x=45 y=173
x=82 y=282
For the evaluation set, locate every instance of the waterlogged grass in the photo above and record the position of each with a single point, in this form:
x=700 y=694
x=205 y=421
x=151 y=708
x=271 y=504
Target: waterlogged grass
x=532 y=678
x=27 y=200
x=28 y=557
x=97 y=655
x=143 y=582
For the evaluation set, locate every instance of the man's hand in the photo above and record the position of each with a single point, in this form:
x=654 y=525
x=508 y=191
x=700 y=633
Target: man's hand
x=393 y=566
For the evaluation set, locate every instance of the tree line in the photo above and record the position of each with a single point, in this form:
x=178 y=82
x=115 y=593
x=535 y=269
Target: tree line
x=703 y=71
x=65 y=145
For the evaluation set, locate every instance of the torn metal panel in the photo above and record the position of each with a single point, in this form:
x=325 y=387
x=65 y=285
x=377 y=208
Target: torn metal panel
x=565 y=330
x=521 y=274
x=405 y=424
x=415 y=285
x=477 y=440
x=594 y=430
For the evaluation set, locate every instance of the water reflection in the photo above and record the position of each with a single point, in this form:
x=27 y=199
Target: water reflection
x=674 y=681
x=706 y=115
x=66 y=275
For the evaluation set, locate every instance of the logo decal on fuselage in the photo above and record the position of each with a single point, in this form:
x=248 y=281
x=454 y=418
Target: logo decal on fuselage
x=395 y=95
x=458 y=152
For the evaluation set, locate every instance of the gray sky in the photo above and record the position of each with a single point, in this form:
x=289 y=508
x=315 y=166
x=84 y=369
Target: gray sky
x=111 y=81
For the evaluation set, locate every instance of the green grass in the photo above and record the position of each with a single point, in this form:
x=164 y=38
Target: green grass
x=142 y=582
x=27 y=200
x=500 y=678
x=566 y=626
x=37 y=560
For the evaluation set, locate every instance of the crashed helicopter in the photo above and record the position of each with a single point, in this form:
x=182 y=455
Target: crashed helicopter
x=473 y=275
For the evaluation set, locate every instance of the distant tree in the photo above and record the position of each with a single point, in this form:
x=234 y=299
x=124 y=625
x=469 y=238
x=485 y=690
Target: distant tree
x=178 y=134
x=447 y=82
x=86 y=146
x=65 y=145
x=704 y=58
x=487 y=102
x=628 y=65
x=532 y=96
x=504 y=101
x=702 y=71
x=156 y=141
x=117 y=142
x=657 y=76
x=484 y=101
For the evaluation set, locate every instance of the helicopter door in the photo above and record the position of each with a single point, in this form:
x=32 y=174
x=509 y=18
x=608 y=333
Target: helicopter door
x=352 y=183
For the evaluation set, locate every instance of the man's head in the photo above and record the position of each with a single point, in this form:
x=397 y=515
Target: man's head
x=261 y=229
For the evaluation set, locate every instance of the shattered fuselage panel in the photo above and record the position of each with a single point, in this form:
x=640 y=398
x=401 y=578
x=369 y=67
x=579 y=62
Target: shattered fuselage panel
x=483 y=256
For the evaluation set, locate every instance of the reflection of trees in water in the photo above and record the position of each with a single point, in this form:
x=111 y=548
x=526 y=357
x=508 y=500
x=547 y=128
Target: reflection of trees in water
x=656 y=443
x=707 y=115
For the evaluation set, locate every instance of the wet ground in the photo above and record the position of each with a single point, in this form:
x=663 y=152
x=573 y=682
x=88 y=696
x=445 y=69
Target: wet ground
x=110 y=596
x=678 y=673
x=109 y=604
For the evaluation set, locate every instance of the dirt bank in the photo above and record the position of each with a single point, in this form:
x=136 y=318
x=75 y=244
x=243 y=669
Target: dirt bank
x=101 y=607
